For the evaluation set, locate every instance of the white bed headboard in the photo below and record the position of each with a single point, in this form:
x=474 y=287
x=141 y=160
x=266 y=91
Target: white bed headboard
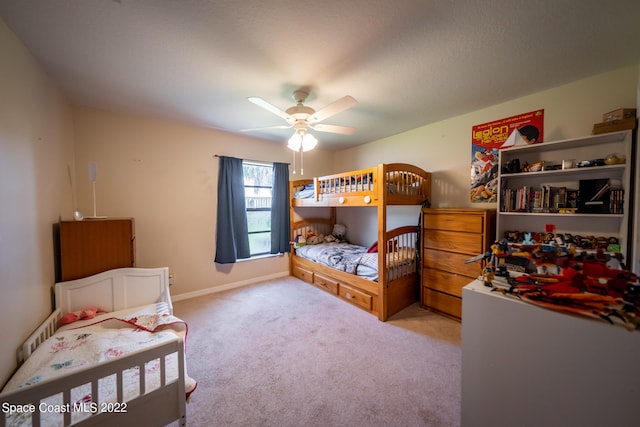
x=116 y=289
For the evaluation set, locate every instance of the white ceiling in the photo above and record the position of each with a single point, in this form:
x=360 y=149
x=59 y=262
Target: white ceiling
x=408 y=62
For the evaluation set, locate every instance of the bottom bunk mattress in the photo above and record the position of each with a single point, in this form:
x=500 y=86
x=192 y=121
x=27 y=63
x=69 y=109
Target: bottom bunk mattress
x=79 y=345
x=354 y=259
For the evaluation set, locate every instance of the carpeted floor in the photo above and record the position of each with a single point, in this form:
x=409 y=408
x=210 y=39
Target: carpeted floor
x=284 y=353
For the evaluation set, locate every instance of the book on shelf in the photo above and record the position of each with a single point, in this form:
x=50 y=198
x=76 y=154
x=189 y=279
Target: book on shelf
x=552 y=198
x=516 y=199
x=616 y=201
x=545 y=199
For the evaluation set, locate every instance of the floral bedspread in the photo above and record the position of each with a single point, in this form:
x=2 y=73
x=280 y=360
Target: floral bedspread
x=109 y=337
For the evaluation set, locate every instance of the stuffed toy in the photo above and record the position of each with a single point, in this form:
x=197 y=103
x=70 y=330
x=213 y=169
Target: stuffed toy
x=87 y=313
x=315 y=239
x=300 y=241
x=340 y=231
x=330 y=238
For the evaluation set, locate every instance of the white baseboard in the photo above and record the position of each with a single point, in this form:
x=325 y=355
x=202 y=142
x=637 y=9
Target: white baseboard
x=227 y=286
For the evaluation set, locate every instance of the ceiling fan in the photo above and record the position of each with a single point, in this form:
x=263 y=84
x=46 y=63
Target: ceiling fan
x=302 y=117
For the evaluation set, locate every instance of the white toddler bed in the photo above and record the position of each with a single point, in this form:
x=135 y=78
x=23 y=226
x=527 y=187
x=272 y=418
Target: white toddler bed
x=127 y=366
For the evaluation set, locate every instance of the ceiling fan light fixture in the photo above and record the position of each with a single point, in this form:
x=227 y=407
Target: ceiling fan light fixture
x=309 y=142
x=295 y=142
x=302 y=139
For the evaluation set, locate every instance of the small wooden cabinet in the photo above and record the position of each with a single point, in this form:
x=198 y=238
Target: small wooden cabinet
x=449 y=237
x=92 y=246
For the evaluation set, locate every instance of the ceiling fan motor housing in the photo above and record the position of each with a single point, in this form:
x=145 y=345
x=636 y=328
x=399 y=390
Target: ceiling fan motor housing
x=300 y=112
x=300 y=95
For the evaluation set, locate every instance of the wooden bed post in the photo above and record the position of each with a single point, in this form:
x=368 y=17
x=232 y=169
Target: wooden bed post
x=382 y=244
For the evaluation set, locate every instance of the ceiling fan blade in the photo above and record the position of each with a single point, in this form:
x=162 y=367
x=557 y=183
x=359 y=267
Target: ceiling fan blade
x=267 y=127
x=270 y=107
x=332 y=109
x=344 y=130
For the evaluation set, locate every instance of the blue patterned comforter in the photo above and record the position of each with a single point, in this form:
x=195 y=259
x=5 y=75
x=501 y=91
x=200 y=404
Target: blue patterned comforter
x=347 y=257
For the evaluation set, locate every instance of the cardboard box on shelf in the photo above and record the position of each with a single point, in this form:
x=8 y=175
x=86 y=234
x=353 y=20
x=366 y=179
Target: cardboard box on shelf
x=614 y=125
x=619 y=114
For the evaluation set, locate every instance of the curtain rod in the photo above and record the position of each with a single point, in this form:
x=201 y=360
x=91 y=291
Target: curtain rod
x=249 y=160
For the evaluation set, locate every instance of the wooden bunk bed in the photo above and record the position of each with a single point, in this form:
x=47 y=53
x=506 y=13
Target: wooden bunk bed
x=381 y=186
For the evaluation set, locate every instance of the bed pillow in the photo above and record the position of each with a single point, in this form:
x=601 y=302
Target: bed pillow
x=87 y=313
x=373 y=248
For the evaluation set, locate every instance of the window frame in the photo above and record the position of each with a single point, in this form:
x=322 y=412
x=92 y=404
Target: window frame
x=248 y=209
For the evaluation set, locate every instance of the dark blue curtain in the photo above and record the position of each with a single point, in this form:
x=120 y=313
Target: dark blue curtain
x=232 y=234
x=280 y=209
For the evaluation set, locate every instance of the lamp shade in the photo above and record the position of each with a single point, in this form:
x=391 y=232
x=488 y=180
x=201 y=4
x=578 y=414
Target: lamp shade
x=309 y=142
x=295 y=142
x=302 y=139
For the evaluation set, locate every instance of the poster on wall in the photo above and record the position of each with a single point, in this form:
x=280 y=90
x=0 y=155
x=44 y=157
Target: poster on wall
x=488 y=138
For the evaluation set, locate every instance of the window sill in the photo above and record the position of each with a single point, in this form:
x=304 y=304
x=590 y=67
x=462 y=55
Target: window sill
x=260 y=257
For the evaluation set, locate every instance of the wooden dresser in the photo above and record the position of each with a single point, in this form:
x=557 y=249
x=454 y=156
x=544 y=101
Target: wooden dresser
x=92 y=246
x=449 y=237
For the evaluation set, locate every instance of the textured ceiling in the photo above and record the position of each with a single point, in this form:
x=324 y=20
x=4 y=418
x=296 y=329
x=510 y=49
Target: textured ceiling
x=407 y=62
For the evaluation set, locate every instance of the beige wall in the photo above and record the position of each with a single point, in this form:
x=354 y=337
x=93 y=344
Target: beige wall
x=165 y=176
x=444 y=148
x=36 y=145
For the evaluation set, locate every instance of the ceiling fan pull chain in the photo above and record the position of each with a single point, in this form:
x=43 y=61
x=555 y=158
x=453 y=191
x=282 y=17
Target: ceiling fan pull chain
x=294 y=163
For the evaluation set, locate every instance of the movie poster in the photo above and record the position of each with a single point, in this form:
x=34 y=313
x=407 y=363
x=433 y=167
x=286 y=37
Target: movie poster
x=488 y=138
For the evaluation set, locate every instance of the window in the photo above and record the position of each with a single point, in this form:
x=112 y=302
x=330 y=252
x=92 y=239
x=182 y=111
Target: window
x=258 y=193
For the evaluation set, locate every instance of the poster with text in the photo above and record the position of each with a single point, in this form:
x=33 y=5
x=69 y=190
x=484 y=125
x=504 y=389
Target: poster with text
x=488 y=138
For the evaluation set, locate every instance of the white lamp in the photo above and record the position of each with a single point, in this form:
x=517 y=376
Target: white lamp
x=295 y=142
x=93 y=176
x=309 y=142
x=301 y=141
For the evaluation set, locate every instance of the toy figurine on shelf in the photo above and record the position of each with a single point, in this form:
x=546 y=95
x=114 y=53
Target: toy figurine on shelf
x=496 y=262
x=488 y=275
x=500 y=251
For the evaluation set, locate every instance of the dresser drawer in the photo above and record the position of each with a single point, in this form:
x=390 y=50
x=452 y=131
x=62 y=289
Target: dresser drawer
x=457 y=222
x=325 y=283
x=443 y=303
x=451 y=262
x=468 y=243
x=443 y=281
x=303 y=274
x=355 y=296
